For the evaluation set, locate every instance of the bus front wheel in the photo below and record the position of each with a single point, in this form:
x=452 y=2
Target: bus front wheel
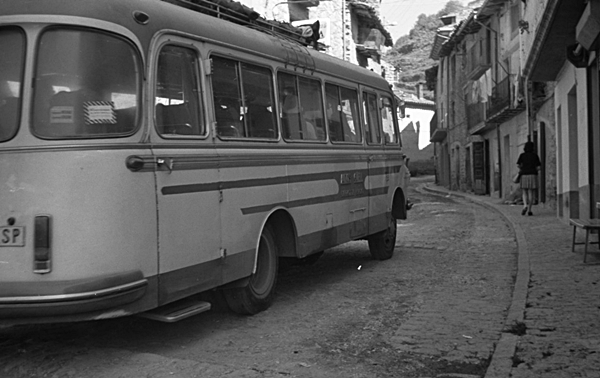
x=381 y=244
x=258 y=295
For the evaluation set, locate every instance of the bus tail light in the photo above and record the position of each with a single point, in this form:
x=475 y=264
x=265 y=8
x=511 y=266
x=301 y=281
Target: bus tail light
x=41 y=245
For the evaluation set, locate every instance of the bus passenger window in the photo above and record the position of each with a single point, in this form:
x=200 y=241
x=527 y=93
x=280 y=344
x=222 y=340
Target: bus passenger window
x=387 y=121
x=312 y=109
x=12 y=42
x=227 y=98
x=371 y=118
x=301 y=115
x=87 y=85
x=289 y=106
x=259 y=102
x=342 y=111
x=177 y=102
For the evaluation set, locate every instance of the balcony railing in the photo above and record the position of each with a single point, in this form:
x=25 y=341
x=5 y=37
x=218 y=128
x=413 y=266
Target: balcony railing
x=437 y=130
x=506 y=102
x=433 y=124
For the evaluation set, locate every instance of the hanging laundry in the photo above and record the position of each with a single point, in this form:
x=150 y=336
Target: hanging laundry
x=488 y=82
x=483 y=89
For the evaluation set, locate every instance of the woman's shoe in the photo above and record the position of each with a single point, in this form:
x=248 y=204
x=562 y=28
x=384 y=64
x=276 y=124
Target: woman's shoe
x=530 y=213
x=523 y=211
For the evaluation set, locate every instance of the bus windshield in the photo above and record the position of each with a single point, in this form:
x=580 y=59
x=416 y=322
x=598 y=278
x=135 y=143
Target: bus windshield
x=12 y=45
x=87 y=85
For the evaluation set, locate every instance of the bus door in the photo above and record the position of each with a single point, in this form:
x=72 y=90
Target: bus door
x=345 y=127
x=378 y=180
x=187 y=177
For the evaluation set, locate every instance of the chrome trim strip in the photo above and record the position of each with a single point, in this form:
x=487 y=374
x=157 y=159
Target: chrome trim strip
x=74 y=297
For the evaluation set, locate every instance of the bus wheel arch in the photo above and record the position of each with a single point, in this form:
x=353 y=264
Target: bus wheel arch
x=285 y=232
x=277 y=236
x=399 y=204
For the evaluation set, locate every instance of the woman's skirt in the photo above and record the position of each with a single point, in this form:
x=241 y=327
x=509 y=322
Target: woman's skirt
x=529 y=181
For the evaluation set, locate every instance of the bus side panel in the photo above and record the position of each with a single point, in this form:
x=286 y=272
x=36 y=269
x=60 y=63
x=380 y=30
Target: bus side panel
x=330 y=197
x=102 y=229
x=253 y=184
x=383 y=180
x=189 y=221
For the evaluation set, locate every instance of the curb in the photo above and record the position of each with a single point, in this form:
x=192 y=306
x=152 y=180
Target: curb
x=502 y=359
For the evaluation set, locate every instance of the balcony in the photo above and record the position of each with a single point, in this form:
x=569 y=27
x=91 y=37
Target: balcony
x=478 y=59
x=506 y=101
x=475 y=114
x=436 y=134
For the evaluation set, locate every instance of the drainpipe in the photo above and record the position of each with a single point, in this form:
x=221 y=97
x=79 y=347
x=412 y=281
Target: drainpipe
x=499 y=161
x=343 y=29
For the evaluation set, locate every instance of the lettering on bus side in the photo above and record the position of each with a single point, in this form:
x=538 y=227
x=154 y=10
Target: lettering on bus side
x=353 y=184
x=355 y=192
x=351 y=178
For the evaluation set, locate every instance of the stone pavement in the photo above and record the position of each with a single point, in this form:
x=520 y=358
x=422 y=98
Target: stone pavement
x=552 y=328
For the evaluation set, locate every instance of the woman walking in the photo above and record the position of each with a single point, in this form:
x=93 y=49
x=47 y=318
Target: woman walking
x=529 y=165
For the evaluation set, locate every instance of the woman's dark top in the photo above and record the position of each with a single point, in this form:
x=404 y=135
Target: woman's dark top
x=528 y=163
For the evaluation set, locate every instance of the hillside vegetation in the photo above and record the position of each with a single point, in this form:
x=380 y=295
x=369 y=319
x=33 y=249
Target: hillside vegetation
x=410 y=53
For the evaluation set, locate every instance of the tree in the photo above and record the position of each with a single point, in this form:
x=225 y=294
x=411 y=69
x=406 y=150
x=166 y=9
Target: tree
x=410 y=53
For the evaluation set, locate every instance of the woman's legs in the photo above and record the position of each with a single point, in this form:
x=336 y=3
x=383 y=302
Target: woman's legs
x=529 y=199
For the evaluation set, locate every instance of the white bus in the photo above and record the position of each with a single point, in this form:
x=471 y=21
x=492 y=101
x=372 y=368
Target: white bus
x=149 y=153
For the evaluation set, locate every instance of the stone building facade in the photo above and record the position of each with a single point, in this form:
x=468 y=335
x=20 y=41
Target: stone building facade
x=544 y=86
x=350 y=29
x=485 y=111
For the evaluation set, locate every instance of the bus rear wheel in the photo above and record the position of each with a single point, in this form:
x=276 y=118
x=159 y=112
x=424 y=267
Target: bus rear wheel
x=381 y=244
x=258 y=295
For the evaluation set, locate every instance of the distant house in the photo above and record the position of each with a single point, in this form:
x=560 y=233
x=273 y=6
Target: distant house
x=414 y=130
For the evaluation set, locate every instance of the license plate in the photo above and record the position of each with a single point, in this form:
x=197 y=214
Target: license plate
x=12 y=236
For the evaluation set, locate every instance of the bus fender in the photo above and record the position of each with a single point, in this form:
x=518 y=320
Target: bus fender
x=399 y=205
x=285 y=232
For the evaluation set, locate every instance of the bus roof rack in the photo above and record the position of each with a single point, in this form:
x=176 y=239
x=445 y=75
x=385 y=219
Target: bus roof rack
x=240 y=14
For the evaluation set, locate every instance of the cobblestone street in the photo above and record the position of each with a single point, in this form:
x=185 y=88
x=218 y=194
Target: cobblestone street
x=555 y=313
x=436 y=309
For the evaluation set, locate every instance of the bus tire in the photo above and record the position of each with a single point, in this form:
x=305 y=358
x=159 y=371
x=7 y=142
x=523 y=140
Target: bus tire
x=381 y=244
x=258 y=294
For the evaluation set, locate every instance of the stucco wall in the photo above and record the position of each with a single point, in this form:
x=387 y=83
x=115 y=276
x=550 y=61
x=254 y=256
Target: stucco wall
x=532 y=12
x=572 y=140
x=544 y=119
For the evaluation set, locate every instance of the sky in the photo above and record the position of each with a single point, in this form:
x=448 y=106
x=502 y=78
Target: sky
x=404 y=13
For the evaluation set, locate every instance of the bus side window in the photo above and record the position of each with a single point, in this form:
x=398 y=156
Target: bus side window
x=177 y=103
x=371 y=118
x=259 y=102
x=289 y=106
x=332 y=110
x=312 y=109
x=350 y=116
x=301 y=115
x=387 y=121
x=227 y=97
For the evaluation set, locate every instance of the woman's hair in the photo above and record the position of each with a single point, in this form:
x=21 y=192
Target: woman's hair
x=528 y=147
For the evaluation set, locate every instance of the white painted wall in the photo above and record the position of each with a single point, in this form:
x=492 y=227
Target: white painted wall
x=423 y=117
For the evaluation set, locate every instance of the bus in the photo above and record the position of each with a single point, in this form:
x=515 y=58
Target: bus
x=150 y=152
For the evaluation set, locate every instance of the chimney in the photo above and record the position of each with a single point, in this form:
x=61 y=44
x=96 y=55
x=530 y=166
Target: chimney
x=448 y=19
x=419 y=88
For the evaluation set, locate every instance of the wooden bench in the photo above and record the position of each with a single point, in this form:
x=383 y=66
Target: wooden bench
x=588 y=225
